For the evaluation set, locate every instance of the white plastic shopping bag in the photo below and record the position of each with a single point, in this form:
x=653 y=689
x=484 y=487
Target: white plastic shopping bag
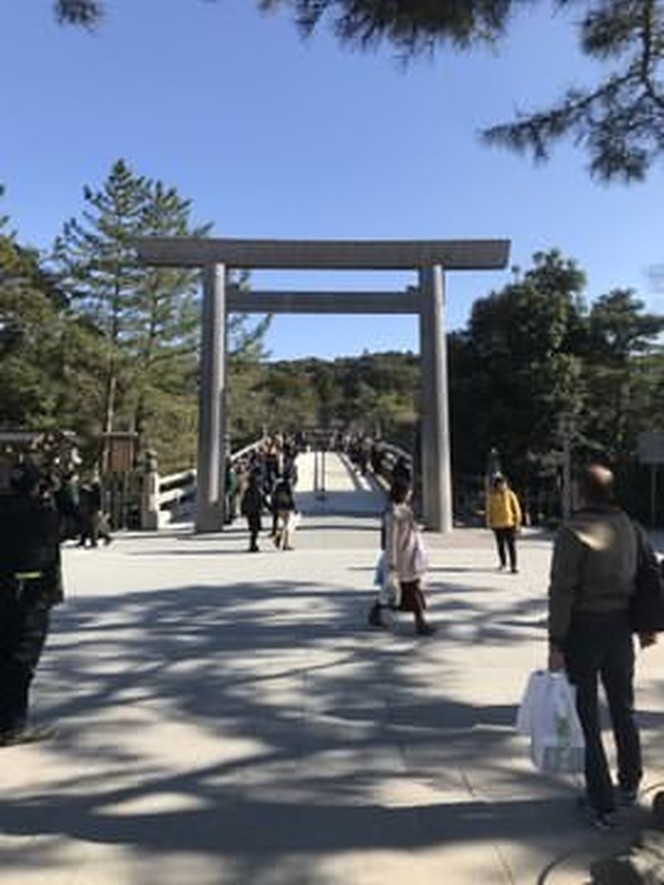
x=390 y=591
x=548 y=715
x=534 y=696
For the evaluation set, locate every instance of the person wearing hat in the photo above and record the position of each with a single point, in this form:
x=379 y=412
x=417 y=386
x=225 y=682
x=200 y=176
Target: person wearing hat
x=30 y=583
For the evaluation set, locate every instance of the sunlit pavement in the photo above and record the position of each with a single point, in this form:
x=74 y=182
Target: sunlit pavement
x=226 y=717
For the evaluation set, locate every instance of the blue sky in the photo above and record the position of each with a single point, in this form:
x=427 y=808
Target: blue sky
x=273 y=136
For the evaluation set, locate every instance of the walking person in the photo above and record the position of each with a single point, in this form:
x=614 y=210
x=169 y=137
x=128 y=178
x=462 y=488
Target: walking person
x=30 y=584
x=231 y=492
x=283 y=513
x=593 y=572
x=290 y=466
x=94 y=524
x=405 y=559
x=252 y=504
x=67 y=500
x=503 y=517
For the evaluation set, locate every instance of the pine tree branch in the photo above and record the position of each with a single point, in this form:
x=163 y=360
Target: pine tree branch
x=621 y=122
x=81 y=13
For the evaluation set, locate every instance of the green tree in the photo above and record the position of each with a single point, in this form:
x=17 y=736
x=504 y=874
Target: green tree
x=94 y=259
x=145 y=318
x=518 y=367
x=619 y=119
x=533 y=352
x=29 y=333
x=45 y=351
x=380 y=394
x=288 y=396
x=374 y=392
x=622 y=374
x=161 y=326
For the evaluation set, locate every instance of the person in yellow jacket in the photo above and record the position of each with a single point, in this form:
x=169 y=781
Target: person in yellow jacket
x=503 y=516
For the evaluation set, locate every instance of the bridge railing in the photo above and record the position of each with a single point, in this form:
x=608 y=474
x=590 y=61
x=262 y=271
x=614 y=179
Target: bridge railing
x=176 y=493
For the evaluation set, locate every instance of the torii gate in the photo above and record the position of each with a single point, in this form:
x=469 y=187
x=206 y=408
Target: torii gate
x=430 y=258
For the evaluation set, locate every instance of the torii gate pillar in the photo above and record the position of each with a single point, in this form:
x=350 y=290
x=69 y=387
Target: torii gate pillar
x=211 y=469
x=434 y=410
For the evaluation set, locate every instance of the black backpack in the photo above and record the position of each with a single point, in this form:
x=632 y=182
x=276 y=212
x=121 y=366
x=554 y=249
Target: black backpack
x=646 y=610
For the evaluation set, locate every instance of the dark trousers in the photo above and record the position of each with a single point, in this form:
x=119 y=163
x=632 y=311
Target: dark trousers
x=600 y=647
x=24 y=621
x=90 y=522
x=254 y=526
x=506 y=541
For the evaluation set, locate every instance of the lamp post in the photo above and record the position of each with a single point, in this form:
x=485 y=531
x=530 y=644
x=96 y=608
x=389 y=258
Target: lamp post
x=566 y=429
x=493 y=464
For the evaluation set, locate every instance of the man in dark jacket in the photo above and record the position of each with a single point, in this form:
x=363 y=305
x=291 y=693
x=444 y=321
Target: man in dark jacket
x=252 y=506
x=593 y=574
x=30 y=583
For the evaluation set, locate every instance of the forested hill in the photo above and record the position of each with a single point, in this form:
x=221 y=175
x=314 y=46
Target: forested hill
x=374 y=393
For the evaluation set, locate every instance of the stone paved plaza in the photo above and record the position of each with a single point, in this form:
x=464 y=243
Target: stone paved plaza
x=228 y=718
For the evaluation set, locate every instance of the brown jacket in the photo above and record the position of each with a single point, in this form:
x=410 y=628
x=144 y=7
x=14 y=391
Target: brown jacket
x=593 y=567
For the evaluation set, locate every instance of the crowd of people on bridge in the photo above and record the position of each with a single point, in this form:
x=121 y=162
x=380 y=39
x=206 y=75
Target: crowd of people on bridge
x=265 y=481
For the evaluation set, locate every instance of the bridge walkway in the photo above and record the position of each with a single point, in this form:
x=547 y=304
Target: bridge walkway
x=329 y=483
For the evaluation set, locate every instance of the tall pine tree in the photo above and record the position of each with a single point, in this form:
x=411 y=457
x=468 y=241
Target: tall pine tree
x=145 y=318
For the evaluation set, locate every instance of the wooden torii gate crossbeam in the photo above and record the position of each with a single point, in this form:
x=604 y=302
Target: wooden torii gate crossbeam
x=430 y=258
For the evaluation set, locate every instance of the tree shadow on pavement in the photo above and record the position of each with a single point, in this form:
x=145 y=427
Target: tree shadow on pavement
x=238 y=722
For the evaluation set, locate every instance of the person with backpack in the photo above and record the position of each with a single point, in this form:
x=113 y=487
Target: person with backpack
x=593 y=582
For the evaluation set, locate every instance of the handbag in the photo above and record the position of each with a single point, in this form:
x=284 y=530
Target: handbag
x=646 y=608
x=547 y=714
x=420 y=556
x=530 y=702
